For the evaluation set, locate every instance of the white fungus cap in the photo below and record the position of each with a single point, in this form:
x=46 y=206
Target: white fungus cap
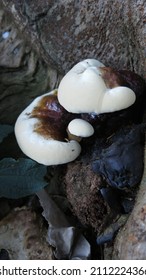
x=36 y=146
x=83 y=90
x=81 y=128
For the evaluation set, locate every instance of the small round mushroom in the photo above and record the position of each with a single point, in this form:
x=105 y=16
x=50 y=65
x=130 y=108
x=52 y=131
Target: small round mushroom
x=90 y=87
x=41 y=135
x=80 y=128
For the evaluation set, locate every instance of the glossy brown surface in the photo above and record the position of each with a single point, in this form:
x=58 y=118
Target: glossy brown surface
x=111 y=77
x=52 y=118
x=49 y=114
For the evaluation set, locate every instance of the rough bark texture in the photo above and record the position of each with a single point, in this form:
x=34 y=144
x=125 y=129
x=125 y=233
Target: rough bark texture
x=131 y=241
x=84 y=195
x=39 y=40
x=23 y=235
x=44 y=35
x=23 y=75
x=68 y=31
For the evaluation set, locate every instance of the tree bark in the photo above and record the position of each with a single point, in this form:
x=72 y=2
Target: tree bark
x=40 y=39
x=130 y=243
x=23 y=74
x=64 y=32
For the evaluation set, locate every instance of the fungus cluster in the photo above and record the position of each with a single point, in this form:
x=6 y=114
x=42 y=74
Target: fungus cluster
x=50 y=128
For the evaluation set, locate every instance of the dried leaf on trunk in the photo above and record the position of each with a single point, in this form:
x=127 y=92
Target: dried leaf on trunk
x=69 y=243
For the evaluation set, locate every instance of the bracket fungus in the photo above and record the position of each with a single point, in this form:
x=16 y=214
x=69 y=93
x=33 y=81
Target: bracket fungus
x=90 y=87
x=42 y=129
x=41 y=135
x=91 y=100
x=79 y=128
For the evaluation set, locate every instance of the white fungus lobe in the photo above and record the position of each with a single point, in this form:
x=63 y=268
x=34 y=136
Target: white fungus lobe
x=81 y=128
x=44 y=150
x=83 y=90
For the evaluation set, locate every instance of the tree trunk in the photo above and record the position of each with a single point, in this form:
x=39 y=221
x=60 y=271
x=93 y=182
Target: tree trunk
x=38 y=37
x=64 y=32
x=131 y=241
x=41 y=40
